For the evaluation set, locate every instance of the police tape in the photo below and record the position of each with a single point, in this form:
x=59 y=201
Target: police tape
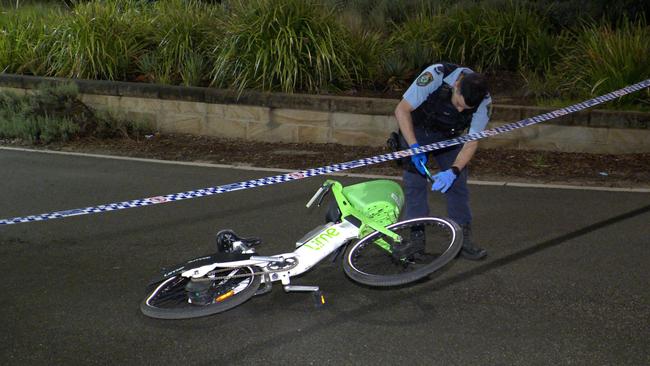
x=330 y=168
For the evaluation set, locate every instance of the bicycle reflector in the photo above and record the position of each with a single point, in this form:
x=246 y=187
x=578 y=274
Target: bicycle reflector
x=225 y=296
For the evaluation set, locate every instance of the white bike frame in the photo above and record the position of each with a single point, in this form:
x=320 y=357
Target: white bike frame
x=309 y=252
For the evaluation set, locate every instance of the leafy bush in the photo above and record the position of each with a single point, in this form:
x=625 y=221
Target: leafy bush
x=570 y=13
x=605 y=59
x=322 y=45
x=54 y=113
x=32 y=118
x=368 y=50
x=287 y=45
x=507 y=36
x=98 y=40
x=390 y=40
x=371 y=14
x=377 y=15
x=23 y=34
x=416 y=42
x=181 y=34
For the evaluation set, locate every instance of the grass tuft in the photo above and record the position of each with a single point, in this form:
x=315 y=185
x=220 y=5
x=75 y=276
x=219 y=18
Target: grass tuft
x=284 y=45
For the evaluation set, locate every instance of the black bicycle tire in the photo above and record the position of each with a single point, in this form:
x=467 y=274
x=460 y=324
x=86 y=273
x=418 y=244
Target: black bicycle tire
x=407 y=277
x=200 y=311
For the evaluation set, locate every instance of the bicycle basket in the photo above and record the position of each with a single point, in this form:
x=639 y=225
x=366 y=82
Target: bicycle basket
x=379 y=200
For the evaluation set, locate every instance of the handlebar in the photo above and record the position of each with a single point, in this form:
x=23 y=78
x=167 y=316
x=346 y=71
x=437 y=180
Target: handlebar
x=320 y=194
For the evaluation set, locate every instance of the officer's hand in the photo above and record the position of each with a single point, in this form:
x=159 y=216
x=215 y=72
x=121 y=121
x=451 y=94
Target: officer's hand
x=419 y=160
x=443 y=181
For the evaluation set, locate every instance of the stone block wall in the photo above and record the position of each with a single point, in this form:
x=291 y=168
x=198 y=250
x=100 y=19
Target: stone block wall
x=278 y=117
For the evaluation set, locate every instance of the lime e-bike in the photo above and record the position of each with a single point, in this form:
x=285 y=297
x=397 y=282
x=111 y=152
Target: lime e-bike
x=362 y=220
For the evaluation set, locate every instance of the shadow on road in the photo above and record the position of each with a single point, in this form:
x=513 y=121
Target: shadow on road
x=541 y=246
x=346 y=316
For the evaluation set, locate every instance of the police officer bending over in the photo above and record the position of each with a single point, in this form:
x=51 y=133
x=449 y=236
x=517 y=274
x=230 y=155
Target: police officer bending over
x=441 y=104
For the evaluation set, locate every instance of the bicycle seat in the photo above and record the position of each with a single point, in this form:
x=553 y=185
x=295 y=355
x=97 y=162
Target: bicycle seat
x=228 y=241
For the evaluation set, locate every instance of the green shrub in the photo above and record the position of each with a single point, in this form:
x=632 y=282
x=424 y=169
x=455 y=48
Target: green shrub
x=29 y=119
x=54 y=113
x=322 y=45
x=377 y=15
x=108 y=125
x=414 y=45
x=508 y=36
x=98 y=40
x=368 y=50
x=286 y=45
x=570 y=14
x=23 y=38
x=182 y=32
x=606 y=58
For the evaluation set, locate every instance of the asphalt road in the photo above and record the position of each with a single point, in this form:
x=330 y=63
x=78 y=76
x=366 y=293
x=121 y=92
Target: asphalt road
x=566 y=281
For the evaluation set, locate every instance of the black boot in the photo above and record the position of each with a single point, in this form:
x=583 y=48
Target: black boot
x=468 y=251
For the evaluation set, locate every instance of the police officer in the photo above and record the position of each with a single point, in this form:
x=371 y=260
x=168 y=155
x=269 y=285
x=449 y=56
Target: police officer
x=442 y=103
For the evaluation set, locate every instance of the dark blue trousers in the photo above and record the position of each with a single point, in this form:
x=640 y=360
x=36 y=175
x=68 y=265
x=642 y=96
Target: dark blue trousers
x=416 y=186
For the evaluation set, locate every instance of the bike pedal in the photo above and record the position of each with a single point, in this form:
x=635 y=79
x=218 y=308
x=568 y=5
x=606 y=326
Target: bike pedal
x=319 y=299
x=297 y=288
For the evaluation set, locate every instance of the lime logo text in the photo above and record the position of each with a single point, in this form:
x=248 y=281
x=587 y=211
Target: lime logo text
x=318 y=242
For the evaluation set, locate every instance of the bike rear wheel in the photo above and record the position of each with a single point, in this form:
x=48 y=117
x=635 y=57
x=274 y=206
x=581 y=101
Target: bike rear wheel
x=180 y=297
x=428 y=243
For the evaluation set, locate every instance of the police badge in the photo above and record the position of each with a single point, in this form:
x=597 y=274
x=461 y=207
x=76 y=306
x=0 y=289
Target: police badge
x=424 y=79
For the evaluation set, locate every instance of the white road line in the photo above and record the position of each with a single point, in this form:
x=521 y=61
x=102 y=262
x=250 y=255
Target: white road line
x=353 y=175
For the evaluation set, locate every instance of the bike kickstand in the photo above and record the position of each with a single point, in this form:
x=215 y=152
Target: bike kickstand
x=267 y=286
x=319 y=299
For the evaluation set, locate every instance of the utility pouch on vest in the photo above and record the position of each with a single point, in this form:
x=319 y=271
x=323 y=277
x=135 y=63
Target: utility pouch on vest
x=393 y=145
x=396 y=142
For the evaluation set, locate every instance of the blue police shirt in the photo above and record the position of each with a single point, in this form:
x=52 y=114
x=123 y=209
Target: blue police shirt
x=424 y=85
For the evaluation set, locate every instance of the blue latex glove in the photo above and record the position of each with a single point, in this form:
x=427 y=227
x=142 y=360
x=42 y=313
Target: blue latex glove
x=443 y=181
x=419 y=160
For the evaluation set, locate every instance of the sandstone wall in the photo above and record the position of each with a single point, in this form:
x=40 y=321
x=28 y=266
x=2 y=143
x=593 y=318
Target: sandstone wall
x=278 y=117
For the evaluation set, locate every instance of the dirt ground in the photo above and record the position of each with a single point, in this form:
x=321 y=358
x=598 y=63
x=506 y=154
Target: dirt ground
x=624 y=171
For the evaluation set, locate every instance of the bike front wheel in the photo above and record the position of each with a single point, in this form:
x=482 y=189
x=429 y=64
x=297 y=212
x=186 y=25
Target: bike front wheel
x=428 y=243
x=180 y=297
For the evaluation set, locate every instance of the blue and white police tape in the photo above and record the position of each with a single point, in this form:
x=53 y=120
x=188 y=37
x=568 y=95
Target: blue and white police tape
x=330 y=168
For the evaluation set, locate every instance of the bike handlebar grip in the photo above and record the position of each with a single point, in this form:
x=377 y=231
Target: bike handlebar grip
x=315 y=197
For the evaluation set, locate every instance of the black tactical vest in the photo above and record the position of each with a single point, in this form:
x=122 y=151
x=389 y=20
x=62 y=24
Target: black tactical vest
x=438 y=113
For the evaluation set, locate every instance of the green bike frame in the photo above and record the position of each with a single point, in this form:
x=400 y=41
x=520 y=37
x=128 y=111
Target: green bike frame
x=376 y=204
